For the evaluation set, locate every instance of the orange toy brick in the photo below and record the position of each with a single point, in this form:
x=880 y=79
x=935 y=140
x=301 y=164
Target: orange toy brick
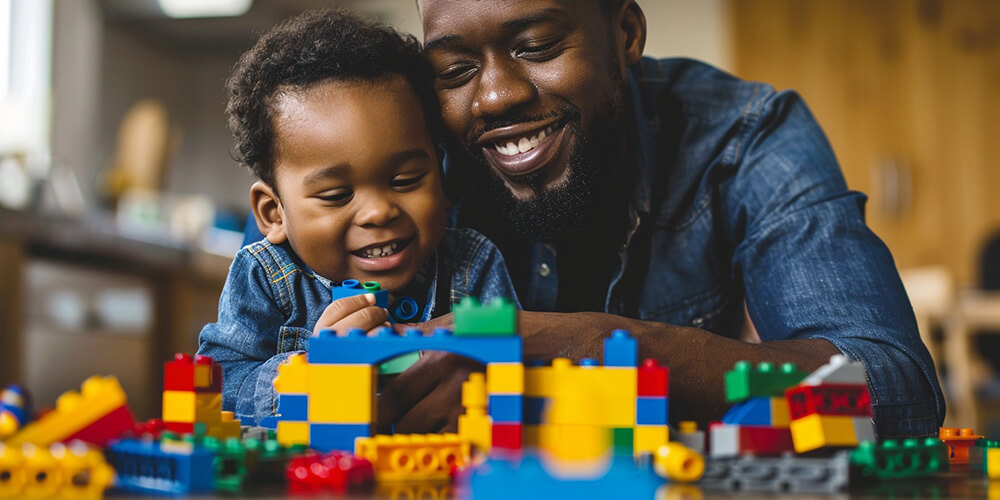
x=413 y=457
x=959 y=442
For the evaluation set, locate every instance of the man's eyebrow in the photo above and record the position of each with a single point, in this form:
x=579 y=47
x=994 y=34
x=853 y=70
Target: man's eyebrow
x=542 y=16
x=441 y=42
x=331 y=171
x=545 y=15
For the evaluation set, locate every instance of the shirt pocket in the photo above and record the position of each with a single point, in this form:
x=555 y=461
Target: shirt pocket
x=293 y=338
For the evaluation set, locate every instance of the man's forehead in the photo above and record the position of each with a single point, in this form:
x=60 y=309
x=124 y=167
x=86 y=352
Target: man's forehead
x=451 y=18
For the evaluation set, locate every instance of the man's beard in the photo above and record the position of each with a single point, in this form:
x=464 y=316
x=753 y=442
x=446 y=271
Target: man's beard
x=551 y=213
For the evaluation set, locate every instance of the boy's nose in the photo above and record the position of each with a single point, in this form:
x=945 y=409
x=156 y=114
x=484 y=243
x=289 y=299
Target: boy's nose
x=376 y=212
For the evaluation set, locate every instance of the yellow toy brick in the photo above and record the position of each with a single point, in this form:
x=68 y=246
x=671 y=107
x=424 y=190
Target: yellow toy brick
x=413 y=457
x=475 y=425
x=42 y=471
x=574 y=443
x=613 y=390
x=179 y=406
x=12 y=469
x=226 y=427
x=293 y=433
x=207 y=407
x=74 y=411
x=342 y=394
x=781 y=416
x=85 y=472
x=505 y=378
x=202 y=375
x=819 y=431
x=293 y=375
x=678 y=463
x=993 y=463
x=649 y=438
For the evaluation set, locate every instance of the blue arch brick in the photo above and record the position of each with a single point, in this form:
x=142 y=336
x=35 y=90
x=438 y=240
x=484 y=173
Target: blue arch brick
x=358 y=348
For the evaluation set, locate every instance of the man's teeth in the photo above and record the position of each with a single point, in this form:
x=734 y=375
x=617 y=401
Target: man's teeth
x=524 y=144
x=383 y=251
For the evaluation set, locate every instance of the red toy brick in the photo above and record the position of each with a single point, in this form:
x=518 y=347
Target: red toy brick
x=111 y=426
x=179 y=427
x=507 y=436
x=178 y=375
x=654 y=380
x=339 y=471
x=829 y=399
x=765 y=440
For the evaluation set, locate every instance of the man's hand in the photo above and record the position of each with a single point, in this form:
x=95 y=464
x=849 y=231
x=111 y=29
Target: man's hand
x=358 y=311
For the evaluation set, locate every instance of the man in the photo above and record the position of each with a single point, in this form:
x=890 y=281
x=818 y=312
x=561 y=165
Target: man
x=652 y=194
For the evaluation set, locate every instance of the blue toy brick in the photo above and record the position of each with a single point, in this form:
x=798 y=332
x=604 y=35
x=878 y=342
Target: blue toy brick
x=358 y=348
x=620 y=349
x=144 y=467
x=528 y=478
x=330 y=437
x=269 y=422
x=534 y=409
x=651 y=410
x=506 y=408
x=754 y=411
x=350 y=288
x=293 y=407
x=404 y=309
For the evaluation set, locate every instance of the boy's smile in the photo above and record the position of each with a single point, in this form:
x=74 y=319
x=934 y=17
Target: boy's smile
x=359 y=192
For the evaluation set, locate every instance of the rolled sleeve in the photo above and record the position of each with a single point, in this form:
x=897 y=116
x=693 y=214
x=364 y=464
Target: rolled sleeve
x=812 y=268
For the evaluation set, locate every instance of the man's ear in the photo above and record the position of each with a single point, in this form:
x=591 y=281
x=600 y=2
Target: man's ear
x=268 y=212
x=632 y=31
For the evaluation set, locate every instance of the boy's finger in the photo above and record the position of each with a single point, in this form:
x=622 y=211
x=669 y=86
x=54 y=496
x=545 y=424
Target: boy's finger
x=366 y=319
x=341 y=308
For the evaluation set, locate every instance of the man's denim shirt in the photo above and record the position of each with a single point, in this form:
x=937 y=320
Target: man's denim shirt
x=742 y=199
x=272 y=300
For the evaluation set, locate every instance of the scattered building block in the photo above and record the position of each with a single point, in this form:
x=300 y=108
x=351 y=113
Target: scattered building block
x=745 y=381
x=785 y=474
x=960 y=442
x=97 y=414
x=906 y=459
x=620 y=349
x=149 y=468
x=838 y=371
x=830 y=431
x=654 y=380
x=413 y=457
x=829 y=399
x=497 y=318
x=689 y=435
x=679 y=463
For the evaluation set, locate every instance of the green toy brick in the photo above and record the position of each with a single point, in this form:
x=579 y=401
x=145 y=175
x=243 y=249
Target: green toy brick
x=622 y=440
x=982 y=447
x=498 y=318
x=904 y=459
x=745 y=381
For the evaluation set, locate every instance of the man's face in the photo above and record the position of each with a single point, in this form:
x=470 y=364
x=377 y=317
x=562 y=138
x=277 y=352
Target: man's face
x=533 y=89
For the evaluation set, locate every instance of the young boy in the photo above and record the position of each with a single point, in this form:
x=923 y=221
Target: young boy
x=335 y=115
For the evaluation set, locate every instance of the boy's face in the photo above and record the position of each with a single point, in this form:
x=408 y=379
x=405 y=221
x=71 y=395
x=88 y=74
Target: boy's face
x=358 y=180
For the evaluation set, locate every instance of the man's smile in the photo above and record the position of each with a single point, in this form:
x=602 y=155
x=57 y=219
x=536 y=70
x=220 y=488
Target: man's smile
x=517 y=150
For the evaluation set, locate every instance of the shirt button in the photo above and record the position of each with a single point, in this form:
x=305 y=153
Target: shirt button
x=544 y=270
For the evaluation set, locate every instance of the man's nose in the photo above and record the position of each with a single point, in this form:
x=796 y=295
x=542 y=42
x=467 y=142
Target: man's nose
x=376 y=211
x=502 y=86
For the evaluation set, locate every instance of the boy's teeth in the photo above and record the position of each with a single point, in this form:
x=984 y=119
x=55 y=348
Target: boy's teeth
x=382 y=251
x=523 y=144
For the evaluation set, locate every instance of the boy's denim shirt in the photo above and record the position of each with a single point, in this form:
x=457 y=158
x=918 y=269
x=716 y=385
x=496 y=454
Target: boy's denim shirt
x=739 y=199
x=272 y=300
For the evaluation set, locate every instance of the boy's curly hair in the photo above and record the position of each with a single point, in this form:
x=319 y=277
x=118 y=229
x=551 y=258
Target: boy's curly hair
x=307 y=49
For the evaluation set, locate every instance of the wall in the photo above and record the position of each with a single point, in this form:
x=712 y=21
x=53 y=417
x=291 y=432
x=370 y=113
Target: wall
x=907 y=91
x=697 y=29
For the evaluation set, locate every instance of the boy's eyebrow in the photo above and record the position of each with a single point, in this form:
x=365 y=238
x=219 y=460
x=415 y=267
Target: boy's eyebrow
x=331 y=171
x=341 y=169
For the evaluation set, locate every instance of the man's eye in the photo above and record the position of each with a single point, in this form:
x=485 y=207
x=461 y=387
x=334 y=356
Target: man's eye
x=403 y=182
x=537 y=51
x=455 y=73
x=337 y=197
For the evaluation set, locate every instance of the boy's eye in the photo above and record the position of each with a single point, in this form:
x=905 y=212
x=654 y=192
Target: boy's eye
x=455 y=74
x=339 y=196
x=406 y=181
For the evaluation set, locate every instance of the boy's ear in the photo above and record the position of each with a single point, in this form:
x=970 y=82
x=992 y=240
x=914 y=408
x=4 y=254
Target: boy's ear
x=268 y=212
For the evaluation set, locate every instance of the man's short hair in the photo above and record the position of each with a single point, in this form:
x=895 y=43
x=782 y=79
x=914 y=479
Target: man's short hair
x=312 y=47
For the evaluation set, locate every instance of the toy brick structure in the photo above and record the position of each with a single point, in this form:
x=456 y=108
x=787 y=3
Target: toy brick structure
x=192 y=396
x=831 y=408
x=96 y=415
x=326 y=398
x=759 y=421
x=150 y=467
x=961 y=445
x=784 y=474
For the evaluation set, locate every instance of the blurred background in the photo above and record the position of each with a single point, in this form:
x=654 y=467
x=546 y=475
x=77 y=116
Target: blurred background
x=120 y=206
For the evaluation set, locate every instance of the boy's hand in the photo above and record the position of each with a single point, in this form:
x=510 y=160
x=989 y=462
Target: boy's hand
x=358 y=311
